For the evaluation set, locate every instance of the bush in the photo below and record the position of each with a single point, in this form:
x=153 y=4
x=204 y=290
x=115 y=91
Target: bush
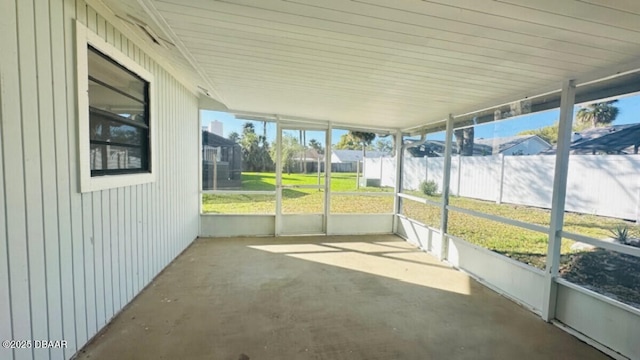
x=429 y=187
x=621 y=234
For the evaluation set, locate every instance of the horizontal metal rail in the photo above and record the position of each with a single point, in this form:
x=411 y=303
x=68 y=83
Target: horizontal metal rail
x=624 y=249
x=522 y=224
x=363 y=193
x=237 y=192
x=302 y=186
x=419 y=199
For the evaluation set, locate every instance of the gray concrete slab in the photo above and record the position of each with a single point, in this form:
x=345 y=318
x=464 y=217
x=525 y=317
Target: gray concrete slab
x=349 y=297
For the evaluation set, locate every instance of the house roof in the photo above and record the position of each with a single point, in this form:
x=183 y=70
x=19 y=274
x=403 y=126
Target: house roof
x=608 y=139
x=480 y=146
x=504 y=143
x=382 y=63
x=344 y=156
x=214 y=140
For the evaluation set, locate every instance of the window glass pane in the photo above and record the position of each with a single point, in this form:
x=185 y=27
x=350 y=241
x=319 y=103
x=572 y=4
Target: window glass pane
x=106 y=99
x=115 y=75
x=102 y=129
x=111 y=157
x=606 y=272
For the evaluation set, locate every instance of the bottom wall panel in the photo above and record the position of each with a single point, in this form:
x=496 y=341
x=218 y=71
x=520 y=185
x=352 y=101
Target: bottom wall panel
x=225 y=225
x=237 y=225
x=420 y=235
x=359 y=224
x=522 y=283
x=610 y=325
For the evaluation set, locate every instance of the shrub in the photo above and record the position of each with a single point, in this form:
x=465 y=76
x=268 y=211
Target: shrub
x=429 y=187
x=621 y=234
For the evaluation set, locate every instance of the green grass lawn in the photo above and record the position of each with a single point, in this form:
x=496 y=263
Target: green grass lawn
x=298 y=200
x=604 y=271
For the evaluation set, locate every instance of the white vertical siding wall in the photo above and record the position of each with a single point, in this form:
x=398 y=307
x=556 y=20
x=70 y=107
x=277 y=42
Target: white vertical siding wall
x=70 y=261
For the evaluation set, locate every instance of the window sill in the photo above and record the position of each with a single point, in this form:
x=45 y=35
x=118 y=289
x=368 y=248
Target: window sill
x=96 y=183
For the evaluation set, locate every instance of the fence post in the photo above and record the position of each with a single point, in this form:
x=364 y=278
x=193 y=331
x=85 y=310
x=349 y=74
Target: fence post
x=638 y=204
x=501 y=181
x=459 y=174
x=567 y=102
x=426 y=168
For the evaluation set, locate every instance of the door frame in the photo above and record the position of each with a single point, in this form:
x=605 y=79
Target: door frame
x=281 y=126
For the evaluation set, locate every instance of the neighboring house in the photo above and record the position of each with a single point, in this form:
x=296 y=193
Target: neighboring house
x=513 y=145
x=614 y=139
x=351 y=156
x=312 y=160
x=223 y=158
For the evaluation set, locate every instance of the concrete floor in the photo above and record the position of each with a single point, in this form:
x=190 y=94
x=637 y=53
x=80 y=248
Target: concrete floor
x=355 y=297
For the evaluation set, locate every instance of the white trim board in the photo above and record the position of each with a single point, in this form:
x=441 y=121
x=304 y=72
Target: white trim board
x=85 y=37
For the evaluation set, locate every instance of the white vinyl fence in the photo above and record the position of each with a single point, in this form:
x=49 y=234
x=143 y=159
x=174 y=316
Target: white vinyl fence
x=606 y=185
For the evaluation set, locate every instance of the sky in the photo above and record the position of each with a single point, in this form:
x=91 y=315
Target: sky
x=629 y=109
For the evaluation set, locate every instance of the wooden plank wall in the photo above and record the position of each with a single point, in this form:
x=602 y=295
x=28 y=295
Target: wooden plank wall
x=70 y=261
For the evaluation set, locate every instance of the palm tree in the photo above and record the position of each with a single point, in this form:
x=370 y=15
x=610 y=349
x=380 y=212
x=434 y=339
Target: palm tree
x=598 y=114
x=464 y=141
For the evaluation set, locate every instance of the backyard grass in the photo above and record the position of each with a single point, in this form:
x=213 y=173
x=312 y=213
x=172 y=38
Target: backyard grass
x=298 y=200
x=613 y=274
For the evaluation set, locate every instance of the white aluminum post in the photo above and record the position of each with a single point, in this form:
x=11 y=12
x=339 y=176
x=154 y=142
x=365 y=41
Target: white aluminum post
x=215 y=169
x=278 y=224
x=397 y=202
x=558 y=199
x=446 y=180
x=200 y=171
x=327 y=180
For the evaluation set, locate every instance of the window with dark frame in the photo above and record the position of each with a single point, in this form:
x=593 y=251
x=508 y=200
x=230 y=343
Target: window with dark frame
x=118 y=118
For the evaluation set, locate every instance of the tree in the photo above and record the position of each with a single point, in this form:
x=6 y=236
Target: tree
x=290 y=147
x=598 y=114
x=547 y=133
x=464 y=141
x=364 y=138
x=383 y=145
x=234 y=136
x=314 y=144
x=255 y=150
x=346 y=142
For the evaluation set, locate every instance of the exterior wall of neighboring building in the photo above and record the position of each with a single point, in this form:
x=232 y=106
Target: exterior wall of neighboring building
x=70 y=261
x=531 y=146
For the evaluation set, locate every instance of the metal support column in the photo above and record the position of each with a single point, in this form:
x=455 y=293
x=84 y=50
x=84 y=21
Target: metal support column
x=558 y=199
x=278 y=220
x=397 y=201
x=446 y=180
x=327 y=181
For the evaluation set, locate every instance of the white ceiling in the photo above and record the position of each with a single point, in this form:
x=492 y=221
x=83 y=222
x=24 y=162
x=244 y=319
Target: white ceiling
x=392 y=63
